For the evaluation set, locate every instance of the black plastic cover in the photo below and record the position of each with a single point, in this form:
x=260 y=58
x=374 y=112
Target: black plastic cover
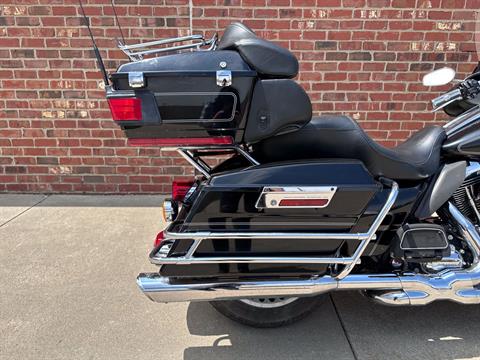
x=278 y=106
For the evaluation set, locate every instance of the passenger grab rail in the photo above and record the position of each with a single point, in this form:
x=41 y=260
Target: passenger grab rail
x=136 y=52
x=349 y=262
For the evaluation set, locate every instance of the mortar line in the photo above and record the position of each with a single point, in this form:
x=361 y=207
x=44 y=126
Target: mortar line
x=342 y=324
x=24 y=211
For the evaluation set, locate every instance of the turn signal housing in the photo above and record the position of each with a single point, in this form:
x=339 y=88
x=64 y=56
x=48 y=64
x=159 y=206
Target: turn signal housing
x=169 y=210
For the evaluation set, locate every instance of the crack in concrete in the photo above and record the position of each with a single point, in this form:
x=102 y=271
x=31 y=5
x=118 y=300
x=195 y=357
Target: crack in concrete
x=24 y=211
x=342 y=324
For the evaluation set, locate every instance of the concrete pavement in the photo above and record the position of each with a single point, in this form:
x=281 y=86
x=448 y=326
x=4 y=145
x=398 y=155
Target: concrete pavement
x=67 y=278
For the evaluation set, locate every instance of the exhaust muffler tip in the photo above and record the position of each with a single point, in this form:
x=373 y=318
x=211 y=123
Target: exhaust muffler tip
x=152 y=284
x=161 y=289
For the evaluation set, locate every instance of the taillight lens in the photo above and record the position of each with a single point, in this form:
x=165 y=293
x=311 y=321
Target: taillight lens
x=159 y=239
x=125 y=109
x=303 y=202
x=218 y=140
x=180 y=189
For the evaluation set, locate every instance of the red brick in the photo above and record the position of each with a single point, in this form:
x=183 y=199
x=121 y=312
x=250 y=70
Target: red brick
x=362 y=57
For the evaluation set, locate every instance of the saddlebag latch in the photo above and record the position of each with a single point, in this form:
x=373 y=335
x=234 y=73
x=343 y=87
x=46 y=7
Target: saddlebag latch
x=224 y=78
x=136 y=79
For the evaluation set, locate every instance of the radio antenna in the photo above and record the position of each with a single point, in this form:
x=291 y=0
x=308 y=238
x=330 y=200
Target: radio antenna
x=95 y=48
x=118 y=22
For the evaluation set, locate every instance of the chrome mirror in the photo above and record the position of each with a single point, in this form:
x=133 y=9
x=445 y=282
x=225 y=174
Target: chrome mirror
x=439 y=77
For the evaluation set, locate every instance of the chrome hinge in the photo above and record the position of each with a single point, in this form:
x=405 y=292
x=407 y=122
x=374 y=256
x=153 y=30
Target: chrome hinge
x=224 y=78
x=136 y=79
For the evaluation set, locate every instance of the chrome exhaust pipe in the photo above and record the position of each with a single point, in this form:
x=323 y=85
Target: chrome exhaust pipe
x=410 y=289
x=461 y=286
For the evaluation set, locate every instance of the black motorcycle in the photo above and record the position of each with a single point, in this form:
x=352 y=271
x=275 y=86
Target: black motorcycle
x=298 y=206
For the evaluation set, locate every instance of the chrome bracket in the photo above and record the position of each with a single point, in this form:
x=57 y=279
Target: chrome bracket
x=224 y=78
x=295 y=197
x=136 y=79
x=190 y=153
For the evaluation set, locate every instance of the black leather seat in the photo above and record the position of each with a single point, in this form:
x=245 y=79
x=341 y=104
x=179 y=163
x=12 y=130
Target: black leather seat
x=341 y=137
x=267 y=58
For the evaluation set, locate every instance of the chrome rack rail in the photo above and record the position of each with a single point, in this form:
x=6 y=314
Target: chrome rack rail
x=191 y=154
x=136 y=52
x=349 y=262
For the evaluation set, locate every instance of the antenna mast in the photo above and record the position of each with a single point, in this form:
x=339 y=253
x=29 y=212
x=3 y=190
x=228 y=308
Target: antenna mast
x=95 y=48
x=118 y=22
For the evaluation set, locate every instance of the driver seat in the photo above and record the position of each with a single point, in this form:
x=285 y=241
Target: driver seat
x=341 y=137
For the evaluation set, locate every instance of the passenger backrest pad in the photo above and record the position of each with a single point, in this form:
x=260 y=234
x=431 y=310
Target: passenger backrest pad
x=267 y=58
x=278 y=106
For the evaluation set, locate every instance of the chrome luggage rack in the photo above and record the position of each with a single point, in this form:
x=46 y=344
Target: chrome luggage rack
x=136 y=52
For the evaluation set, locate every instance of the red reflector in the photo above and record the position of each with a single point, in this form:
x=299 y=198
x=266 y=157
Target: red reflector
x=180 y=189
x=159 y=239
x=220 y=140
x=303 y=202
x=125 y=109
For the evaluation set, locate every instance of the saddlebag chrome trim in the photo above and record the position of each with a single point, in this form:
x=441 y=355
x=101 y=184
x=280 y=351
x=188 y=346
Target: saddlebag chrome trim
x=273 y=196
x=408 y=289
x=349 y=262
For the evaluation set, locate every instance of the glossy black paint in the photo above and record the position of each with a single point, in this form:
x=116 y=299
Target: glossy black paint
x=190 y=103
x=464 y=143
x=228 y=201
x=243 y=271
x=293 y=247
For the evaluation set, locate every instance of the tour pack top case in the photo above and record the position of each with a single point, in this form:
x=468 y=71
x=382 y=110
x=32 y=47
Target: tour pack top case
x=240 y=91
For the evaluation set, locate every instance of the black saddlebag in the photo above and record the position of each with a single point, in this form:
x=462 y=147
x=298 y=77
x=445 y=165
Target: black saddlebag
x=195 y=95
x=330 y=196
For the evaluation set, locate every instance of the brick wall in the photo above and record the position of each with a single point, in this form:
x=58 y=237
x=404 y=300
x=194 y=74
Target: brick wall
x=361 y=57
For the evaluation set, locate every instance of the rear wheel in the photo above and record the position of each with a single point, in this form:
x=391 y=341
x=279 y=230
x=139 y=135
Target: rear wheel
x=266 y=312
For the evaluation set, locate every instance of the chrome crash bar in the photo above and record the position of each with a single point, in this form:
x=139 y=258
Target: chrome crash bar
x=460 y=285
x=349 y=262
x=136 y=52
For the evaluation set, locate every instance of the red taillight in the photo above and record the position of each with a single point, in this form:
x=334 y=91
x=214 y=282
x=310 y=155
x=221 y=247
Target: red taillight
x=219 y=140
x=303 y=202
x=180 y=189
x=159 y=239
x=125 y=109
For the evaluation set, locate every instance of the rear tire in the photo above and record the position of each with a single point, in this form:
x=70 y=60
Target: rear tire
x=266 y=312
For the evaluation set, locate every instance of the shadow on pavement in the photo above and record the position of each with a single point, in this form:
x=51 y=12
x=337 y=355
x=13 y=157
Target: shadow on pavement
x=318 y=337
x=441 y=330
